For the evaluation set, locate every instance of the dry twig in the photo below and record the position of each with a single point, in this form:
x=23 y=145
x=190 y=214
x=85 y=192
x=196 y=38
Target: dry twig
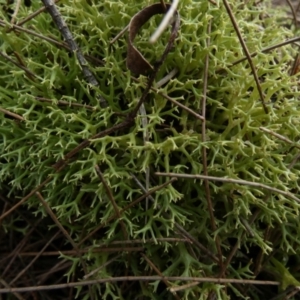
x=204 y=154
x=112 y=200
x=231 y=180
x=7 y=112
x=137 y=278
x=63 y=28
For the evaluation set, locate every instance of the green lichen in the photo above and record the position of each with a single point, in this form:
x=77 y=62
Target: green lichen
x=236 y=146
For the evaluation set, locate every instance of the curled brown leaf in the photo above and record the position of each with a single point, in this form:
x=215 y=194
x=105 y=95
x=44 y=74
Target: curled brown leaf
x=136 y=62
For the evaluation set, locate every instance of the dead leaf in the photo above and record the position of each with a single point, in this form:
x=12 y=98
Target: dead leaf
x=135 y=61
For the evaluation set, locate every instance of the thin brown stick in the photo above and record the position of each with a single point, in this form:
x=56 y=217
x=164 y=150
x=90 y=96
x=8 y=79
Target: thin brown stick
x=146 y=136
x=80 y=251
x=237 y=244
x=101 y=267
x=292 y=293
x=153 y=190
x=112 y=200
x=196 y=242
x=136 y=278
x=247 y=226
x=293 y=12
x=293 y=162
x=63 y=162
x=120 y=34
x=298 y=7
x=173 y=101
x=28 y=72
x=23 y=244
x=62 y=229
x=60 y=44
x=204 y=154
x=279 y=136
x=265 y=50
x=62 y=165
x=180 y=229
x=16 y=252
x=4 y=208
x=66 y=103
x=171 y=41
x=163 y=4
x=253 y=218
x=180 y=105
x=145 y=241
x=17 y=295
x=55 y=220
x=48 y=39
x=231 y=180
x=184 y=287
x=16 y=10
x=61 y=265
x=21 y=62
x=35 y=258
x=260 y=256
x=102 y=247
x=247 y=53
x=33 y=15
x=153 y=266
x=17 y=28
x=7 y=112
x=25 y=198
x=226 y=280
x=295 y=66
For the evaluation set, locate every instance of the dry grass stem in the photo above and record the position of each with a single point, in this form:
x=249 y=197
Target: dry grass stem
x=35 y=258
x=28 y=72
x=268 y=49
x=165 y=22
x=25 y=198
x=101 y=267
x=293 y=11
x=112 y=200
x=66 y=103
x=180 y=229
x=158 y=272
x=190 y=111
x=244 y=46
x=279 y=136
x=167 y=78
x=231 y=180
x=33 y=15
x=133 y=203
x=16 y=116
x=204 y=154
x=13 y=17
x=137 y=278
x=120 y=34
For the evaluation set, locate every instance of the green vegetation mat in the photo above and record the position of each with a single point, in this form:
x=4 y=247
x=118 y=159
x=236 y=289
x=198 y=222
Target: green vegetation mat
x=82 y=144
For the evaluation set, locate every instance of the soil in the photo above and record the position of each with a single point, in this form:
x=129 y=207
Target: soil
x=285 y=3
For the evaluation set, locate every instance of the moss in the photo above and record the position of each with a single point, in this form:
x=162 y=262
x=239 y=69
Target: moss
x=236 y=146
